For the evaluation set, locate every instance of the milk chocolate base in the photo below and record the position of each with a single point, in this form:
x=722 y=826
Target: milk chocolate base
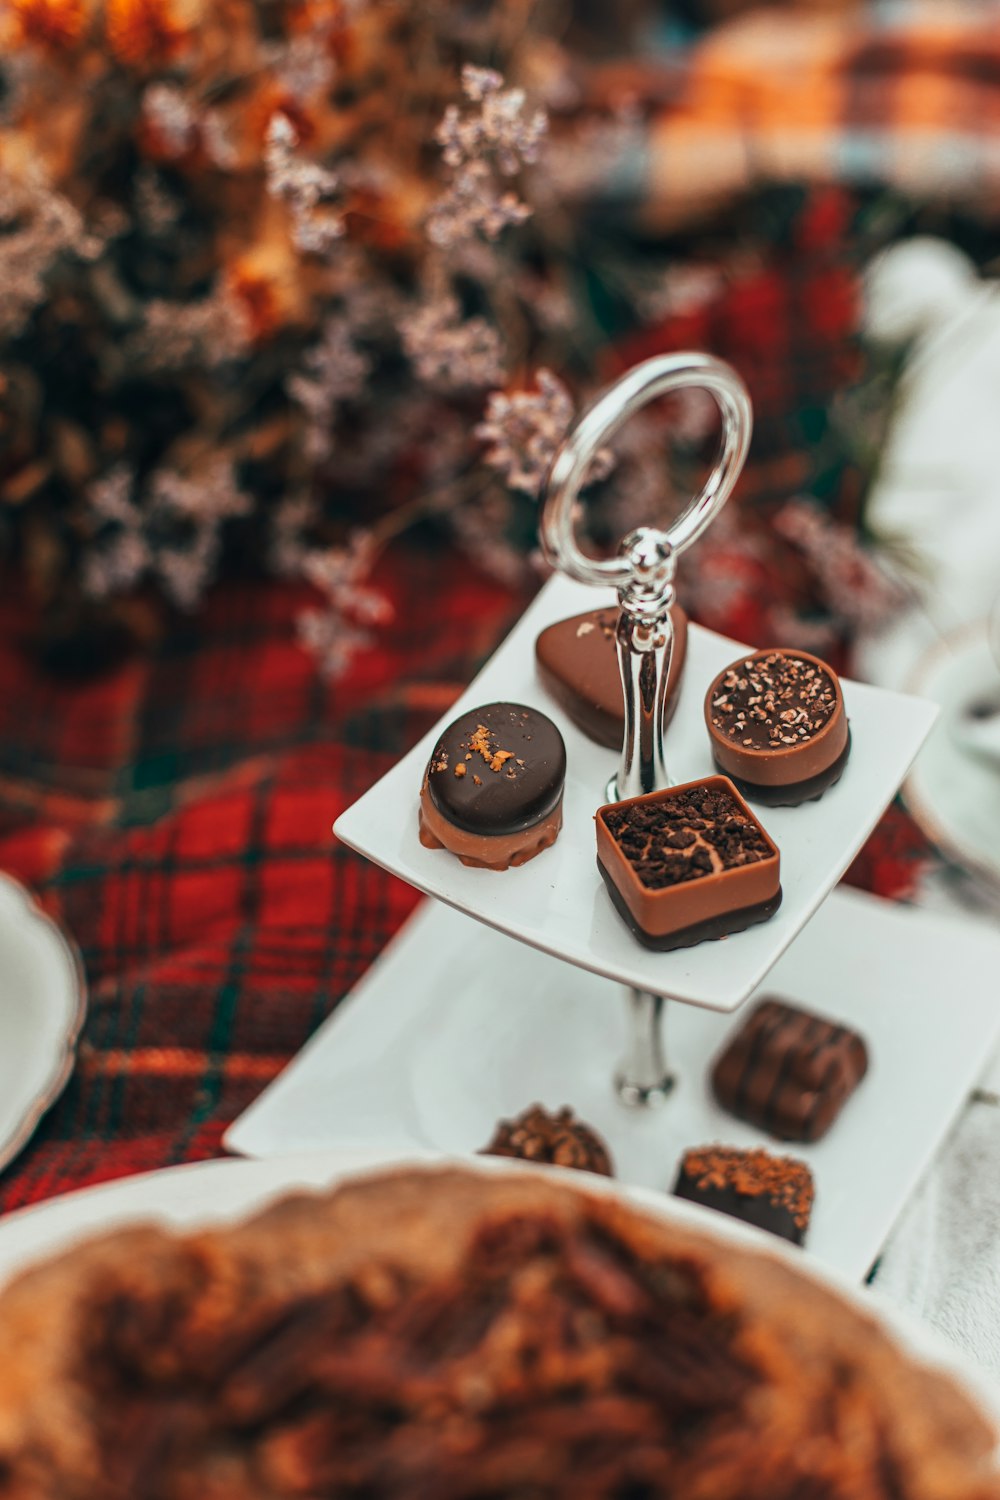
x=483 y=851
x=688 y=863
x=581 y=672
x=796 y=792
x=758 y=1210
x=785 y=755
x=698 y=932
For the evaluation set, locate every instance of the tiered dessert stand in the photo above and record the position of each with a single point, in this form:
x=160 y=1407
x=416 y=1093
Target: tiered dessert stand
x=457 y=1025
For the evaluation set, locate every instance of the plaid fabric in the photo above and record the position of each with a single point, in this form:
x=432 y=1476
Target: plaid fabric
x=175 y=816
x=899 y=96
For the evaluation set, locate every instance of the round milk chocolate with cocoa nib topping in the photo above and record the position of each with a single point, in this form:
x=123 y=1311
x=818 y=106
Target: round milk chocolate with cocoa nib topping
x=778 y=726
x=492 y=793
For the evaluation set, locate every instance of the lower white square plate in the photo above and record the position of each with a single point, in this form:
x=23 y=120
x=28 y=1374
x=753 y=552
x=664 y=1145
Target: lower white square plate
x=558 y=903
x=456 y=1026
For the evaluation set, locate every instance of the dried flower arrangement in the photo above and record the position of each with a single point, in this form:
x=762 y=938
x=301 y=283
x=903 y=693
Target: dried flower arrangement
x=280 y=277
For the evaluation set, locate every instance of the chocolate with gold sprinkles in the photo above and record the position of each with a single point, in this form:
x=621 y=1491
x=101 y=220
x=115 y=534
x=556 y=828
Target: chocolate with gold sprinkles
x=775 y=1193
x=492 y=791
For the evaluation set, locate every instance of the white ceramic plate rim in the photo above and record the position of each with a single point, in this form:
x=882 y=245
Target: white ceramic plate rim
x=913 y=791
x=64 y=1057
x=219 y=1191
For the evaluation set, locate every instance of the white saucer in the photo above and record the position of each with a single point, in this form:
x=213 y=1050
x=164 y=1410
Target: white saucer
x=558 y=903
x=206 y=1193
x=42 y=1008
x=953 y=793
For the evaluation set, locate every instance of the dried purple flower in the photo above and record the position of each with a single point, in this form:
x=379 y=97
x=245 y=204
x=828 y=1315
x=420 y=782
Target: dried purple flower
x=290 y=525
x=39 y=225
x=337 y=632
x=331 y=639
x=172 y=115
x=499 y=129
x=303 y=66
x=206 y=334
x=304 y=186
x=335 y=370
x=854 y=587
x=497 y=136
x=156 y=208
x=449 y=353
x=173 y=535
x=217 y=142
x=524 y=430
x=473 y=204
x=120 y=557
x=185 y=562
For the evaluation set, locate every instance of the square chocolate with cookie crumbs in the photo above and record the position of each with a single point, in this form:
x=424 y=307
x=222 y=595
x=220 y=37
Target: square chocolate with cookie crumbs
x=689 y=863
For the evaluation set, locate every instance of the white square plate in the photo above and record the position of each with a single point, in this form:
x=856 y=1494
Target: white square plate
x=558 y=903
x=454 y=1028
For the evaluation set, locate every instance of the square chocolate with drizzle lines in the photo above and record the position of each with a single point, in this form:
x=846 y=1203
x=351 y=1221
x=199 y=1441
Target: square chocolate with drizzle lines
x=789 y=1072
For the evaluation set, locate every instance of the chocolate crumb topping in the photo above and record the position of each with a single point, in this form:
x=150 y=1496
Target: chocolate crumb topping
x=773 y=701
x=785 y=1182
x=556 y=1137
x=683 y=838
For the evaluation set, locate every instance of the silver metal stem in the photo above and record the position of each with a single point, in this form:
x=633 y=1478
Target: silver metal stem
x=645 y=649
x=644 y=1079
x=643 y=574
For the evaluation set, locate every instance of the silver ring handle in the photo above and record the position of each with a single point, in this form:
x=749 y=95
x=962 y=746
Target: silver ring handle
x=643 y=570
x=646 y=382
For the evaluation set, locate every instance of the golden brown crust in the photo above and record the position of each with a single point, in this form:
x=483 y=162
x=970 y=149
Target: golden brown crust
x=486 y=1334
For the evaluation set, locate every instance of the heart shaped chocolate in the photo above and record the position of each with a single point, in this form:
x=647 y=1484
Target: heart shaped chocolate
x=578 y=663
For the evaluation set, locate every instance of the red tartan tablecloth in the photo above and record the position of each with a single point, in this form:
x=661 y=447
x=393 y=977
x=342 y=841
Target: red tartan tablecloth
x=175 y=815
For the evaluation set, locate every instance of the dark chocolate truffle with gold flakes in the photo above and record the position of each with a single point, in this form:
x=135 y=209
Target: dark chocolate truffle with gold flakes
x=775 y=1193
x=554 y=1137
x=492 y=792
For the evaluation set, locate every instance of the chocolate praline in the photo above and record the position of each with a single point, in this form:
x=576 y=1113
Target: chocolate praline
x=775 y=1193
x=492 y=792
x=578 y=664
x=687 y=864
x=778 y=726
x=788 y=1071
x=555 y=1137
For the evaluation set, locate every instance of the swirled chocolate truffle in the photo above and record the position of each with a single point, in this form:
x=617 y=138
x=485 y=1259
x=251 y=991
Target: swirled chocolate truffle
x=555 y=1137
x=775 y=1193
x=492 y=793
x=778 y=726
x=789 y=1072
x=578 y=664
